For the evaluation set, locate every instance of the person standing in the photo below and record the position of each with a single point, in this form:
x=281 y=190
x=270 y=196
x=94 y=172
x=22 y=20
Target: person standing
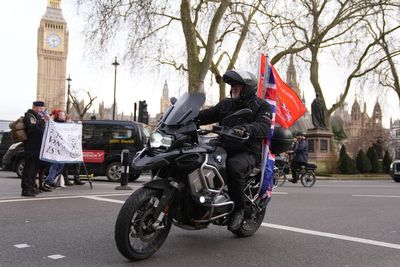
x=34 y=125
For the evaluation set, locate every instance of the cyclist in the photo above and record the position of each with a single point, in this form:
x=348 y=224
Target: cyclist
x=300 y=155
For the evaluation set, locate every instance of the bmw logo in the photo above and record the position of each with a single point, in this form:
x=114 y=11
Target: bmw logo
x=218 y=158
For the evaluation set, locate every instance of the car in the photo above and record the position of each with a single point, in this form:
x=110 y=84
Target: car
x=395 y=170
x=102 y=144
x=5 y=143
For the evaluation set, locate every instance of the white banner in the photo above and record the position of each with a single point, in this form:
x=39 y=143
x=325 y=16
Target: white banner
x=62 y=143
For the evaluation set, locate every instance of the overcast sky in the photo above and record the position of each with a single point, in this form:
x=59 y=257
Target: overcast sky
x=19 y=22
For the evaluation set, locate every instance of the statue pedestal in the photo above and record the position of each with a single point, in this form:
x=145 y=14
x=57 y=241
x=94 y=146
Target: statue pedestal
x=320 y=150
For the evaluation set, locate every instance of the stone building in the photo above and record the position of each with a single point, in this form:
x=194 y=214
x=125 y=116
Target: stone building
x=363 y=131
x=52 y=51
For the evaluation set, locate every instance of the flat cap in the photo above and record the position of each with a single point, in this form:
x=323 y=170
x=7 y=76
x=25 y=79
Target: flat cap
x=38 y=104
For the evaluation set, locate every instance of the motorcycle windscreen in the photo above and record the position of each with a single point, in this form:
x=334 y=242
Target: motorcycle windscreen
x=185 y=109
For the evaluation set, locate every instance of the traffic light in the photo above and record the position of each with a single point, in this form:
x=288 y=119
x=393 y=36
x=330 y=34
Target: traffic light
x=143 y=114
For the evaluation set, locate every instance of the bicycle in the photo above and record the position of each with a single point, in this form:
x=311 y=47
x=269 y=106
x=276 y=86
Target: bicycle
x=282 y=167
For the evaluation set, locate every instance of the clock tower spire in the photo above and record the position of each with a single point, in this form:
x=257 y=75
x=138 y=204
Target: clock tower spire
x=52 y=51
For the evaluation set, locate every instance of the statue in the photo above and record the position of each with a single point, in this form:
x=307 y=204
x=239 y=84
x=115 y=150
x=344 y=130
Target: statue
x=317 y=113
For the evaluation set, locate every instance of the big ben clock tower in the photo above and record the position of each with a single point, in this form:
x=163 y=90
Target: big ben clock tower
x=52 y=50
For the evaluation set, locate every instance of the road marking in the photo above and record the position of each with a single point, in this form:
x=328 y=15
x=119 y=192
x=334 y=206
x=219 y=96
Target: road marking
x=324 y=234
x=22 y=246
x=56 y=256
x=388 y=196
x=60 y=197
x=105 y=199
x=279 y=193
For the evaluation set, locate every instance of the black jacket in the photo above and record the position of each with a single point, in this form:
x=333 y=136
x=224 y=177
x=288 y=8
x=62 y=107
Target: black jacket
x=258 y=125
x=34 y=126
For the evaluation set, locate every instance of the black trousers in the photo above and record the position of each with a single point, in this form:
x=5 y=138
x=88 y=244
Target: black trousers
x=295 y=166
x=76 y=171
x=32 y=164
x=238 y=167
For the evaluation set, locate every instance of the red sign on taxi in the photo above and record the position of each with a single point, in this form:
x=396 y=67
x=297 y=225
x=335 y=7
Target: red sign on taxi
x=93 y=156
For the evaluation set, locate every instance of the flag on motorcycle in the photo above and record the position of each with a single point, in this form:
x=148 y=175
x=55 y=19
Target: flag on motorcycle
x=289 y=106
x=267 y=91
x=286 y=109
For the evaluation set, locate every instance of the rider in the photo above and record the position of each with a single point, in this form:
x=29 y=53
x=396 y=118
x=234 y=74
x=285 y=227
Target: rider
x=300 y=155
x=240 y=161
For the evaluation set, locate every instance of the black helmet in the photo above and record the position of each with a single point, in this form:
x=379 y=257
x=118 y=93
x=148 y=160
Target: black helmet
x=246 y=78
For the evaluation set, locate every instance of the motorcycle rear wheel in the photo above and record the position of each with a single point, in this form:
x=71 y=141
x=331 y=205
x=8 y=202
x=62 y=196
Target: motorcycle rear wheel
x=251 y=225
x=134 y=235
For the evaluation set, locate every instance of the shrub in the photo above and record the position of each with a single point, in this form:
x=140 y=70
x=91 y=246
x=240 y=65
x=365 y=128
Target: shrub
x=373 y=157
x=387 y=160
x=363 y=163
x=346 y=165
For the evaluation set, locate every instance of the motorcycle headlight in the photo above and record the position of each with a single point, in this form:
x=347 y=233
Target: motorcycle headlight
x=159 y=140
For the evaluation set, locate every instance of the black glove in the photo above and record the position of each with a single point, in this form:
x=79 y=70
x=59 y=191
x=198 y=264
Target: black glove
x=239 y=131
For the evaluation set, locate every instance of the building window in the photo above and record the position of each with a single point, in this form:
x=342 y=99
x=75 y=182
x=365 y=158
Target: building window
x=324 y=146
x=398 y=133
x=311 y=145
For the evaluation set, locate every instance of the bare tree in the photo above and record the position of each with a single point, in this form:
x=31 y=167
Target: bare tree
x=79 y=106
x=312 y=28
x=152 y=27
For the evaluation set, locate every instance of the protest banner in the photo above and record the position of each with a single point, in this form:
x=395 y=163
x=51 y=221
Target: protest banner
x=62 y=143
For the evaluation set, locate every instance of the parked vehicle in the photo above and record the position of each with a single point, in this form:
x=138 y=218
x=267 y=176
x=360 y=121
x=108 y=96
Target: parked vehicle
x=102 y=143
x=188 y=188
x=5 y=143
x=395 y=171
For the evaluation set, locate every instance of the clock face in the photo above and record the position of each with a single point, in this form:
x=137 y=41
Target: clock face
x=53 y=40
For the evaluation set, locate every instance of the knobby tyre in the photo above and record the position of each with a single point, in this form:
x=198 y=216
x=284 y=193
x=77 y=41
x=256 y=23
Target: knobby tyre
x=134 y=235
x=251 y=225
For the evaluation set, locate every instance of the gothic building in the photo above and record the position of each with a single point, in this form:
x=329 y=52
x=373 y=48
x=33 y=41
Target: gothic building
x=52 y=51
x=363 y=131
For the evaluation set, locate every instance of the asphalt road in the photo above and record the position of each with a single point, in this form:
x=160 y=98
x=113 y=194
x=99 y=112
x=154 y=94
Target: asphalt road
x=335 y=223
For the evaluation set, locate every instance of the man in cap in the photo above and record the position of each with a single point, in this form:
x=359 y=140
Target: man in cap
x=300 y=155
x=34 y=121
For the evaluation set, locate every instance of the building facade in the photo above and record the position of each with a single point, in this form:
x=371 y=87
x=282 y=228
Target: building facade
x=364 y=131
x=52 y=51
x=394 y=142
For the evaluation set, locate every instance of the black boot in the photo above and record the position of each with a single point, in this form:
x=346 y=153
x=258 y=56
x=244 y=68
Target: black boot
x=236 y=220
x=28 y=193
x=78 y=182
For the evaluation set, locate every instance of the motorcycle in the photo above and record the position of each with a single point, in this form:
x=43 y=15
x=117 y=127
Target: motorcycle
x=188 y=188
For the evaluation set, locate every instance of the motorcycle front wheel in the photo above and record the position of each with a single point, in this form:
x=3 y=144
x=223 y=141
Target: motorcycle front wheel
x=251 y=225
x=135 y=237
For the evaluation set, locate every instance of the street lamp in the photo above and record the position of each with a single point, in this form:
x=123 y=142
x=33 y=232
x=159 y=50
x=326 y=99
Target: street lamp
x=115 y=64
x=68 y=92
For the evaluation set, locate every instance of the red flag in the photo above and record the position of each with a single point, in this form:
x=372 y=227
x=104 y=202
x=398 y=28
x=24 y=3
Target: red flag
x=289 y=107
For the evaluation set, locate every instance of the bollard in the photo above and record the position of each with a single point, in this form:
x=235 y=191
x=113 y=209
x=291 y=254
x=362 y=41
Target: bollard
x=124 y=173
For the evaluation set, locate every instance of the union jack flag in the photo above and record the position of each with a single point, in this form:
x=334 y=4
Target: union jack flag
x=267 y=91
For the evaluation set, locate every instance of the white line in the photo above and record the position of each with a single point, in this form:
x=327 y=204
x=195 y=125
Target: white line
x=59 y=197
x=22 y=246
x=279 y=193
x=388 y=196
x=341 y=237
x=56 y=256
x=105 y=199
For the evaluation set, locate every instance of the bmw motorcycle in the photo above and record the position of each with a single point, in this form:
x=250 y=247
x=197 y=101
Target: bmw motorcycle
x=188 y=188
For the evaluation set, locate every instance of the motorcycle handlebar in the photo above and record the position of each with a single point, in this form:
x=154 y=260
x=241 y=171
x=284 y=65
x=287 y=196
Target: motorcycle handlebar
x=224 y=131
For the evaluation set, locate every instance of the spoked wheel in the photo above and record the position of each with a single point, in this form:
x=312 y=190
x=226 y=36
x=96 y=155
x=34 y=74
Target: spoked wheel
x=251 y=225
x=308 y=179
x=135 y=235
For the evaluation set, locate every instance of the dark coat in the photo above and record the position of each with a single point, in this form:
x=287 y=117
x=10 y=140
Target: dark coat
x=300 y=153
x=258 y=125
x=34 y=126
